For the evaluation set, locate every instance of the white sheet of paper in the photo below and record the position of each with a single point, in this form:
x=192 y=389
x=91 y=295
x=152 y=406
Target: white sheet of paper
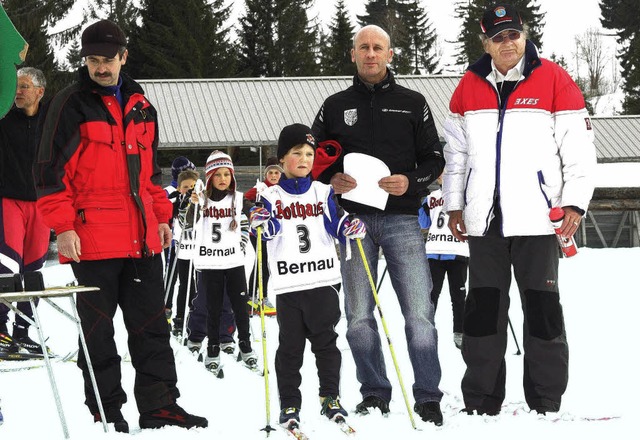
x=367 y=170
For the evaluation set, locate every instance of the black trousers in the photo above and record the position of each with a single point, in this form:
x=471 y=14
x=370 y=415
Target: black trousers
x=456 y=272
x=197 y=322
x=313 y=315
x=136 y=286
x=546 y=354
x=234 y=282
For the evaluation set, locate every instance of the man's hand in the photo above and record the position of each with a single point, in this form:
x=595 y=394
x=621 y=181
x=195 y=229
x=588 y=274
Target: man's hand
x=396 y=184
x=342 y=183
x=456 y=224
x=165 y=235
x=69 y=245
x=571 y=221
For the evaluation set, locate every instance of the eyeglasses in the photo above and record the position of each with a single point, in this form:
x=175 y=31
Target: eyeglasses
x=513 y=36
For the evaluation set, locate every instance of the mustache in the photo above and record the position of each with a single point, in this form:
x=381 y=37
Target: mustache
x=103 y=75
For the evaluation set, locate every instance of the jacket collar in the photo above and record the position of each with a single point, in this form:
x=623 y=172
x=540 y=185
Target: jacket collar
x=483 y=66
x=386 y=84
x=295 y=185
x=128 y=88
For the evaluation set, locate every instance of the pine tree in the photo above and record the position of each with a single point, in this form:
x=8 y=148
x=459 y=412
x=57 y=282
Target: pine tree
x=421 y=38
x=177 y=40
x=122 y=12
x=389 y=15
x=296 y=45
x=221 y=54
x=74 y=60
x=276 y=39
x=471 y=11
x=257 y=29
x=380 y=13
x=336 y=53
x=623 y=15
x=412 y=37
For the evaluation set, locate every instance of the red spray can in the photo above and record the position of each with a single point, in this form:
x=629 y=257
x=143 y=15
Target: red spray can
x=567 y=244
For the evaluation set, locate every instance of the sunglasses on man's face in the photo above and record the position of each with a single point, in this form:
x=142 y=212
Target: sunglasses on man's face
x=513 y=36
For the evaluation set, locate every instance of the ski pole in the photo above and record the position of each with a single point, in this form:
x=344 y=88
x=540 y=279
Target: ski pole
x=198 y=189
x=254 y=296
x=384 y=272
x=514 y=337
x=386 y=330
x=174 y=260
x=268 y=427
x=254 y=287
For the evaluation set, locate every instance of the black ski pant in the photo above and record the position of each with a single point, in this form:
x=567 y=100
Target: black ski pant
x=546 y=354
x=308 y=314
x=197 y=321
x=136 y=286
x=233 y=281
x=456 y=272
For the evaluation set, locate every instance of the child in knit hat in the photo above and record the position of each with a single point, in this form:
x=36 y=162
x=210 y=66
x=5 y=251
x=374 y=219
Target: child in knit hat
x=222 y=233
x=272 y=173
x=299 y=219
x=179 y=164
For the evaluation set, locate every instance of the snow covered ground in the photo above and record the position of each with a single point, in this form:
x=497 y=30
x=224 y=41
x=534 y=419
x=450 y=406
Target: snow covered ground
x=599 y=292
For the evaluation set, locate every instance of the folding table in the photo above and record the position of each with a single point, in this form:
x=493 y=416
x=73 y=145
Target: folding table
x=46 y=295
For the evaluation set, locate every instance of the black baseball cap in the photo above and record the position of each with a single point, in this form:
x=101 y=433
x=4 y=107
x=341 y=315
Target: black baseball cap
x=500 y=17
x=103 y=38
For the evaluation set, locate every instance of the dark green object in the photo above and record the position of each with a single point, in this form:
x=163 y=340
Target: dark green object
x=13 y=50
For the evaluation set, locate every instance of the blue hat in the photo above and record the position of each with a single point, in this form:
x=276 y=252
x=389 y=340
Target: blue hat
x=180 y=164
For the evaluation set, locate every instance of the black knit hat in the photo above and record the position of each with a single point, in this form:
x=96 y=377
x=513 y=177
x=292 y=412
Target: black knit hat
x=498 y=18
x=292 y=135
x=103 y=38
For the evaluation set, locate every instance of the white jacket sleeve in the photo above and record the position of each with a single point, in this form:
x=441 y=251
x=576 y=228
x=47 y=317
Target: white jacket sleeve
x=455 y=154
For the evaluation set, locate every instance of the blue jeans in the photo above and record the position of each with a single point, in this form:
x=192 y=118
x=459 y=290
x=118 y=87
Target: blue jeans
x=401 y=241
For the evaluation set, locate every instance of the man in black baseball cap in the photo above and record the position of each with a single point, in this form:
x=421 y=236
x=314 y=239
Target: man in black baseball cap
x=543 y=130
x=500 y=17
x=113 y=161
x=105 y=52
x=104 y=38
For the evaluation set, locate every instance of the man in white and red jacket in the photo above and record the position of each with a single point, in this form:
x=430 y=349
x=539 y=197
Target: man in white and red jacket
x=99 y=189
x=519 y=142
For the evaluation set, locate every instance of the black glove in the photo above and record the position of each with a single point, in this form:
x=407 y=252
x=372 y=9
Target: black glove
x=183 y=200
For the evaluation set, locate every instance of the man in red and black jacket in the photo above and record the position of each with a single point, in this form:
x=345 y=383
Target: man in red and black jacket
x=99 y=188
